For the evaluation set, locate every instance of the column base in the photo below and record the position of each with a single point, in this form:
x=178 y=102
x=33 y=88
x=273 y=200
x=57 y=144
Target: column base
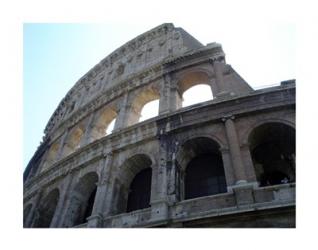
x=243 y=192
x=159 y=210
x=95 y=221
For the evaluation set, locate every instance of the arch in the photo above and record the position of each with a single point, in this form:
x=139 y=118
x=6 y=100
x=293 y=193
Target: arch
x=46 y=209
x=136 y=171
x=73 y=140
x=261 y=122
x=140 y=191
x=196 y=94
x=139 y=101
x=198 y=134
x=99 y=128
x=272 y=147
x=51 y=156
x=193 y=77
x=82 y=200
x=201 y=168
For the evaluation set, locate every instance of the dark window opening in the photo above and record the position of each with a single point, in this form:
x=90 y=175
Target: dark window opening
x=140 y=190
x=205 y=176
x=89 y=206
x=272 y=147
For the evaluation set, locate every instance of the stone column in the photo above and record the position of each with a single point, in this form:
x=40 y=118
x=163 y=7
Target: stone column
x=59 y=154
x=164 y=95
x=61 y=222
x=224 y=90
x=61 y=202
x=242 y=190
x=218 y=70
x=228 y=168
x=248 y=163
x=234 y=149
x=170 y=98
x=159 y=199
x=102 y=193
x=122 y=115
x=88 y=129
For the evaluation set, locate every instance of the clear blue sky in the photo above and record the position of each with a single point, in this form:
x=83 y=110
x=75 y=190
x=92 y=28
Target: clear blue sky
x=55 y=56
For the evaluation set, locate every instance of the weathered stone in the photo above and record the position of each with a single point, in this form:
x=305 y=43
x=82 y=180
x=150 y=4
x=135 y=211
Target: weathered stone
x=81 y=177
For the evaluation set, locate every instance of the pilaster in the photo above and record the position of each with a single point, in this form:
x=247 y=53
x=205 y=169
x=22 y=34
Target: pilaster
x=103 y=193
x=234 y=147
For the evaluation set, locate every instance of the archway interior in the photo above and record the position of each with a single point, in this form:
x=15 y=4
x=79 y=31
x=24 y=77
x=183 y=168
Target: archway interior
x=144 y=106
x=83 y=198
x=103 y=124
x=194 y=88
x=204 y=176
x=149 y=110
x=73 y=141
x=46 y=210
x=272 y=147
x=202 y=164
x=196 y=94
x=110 y=127
x=134 y=187
x=139 y=191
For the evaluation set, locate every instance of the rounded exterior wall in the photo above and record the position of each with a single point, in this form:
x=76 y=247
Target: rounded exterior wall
x=82 y=176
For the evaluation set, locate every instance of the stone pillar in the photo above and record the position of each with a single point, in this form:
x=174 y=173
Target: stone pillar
x=234 y=150
x=102 y=195
x=30 y=217
x=248 y=163
x=224 y=90
x=228 y=168
x=61 y=222
x=164 y=95
x=61 y=203
x=121 y=118
x=218 y=70
x=88 y=129
x=59 y=154
x=159 y=199
x=170 y=98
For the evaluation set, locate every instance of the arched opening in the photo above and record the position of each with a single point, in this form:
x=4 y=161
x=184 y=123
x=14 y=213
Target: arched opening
x=149 y=110
x=196 y=94
x=104 y=124
x=139 y=110
x=82 y=200
x=46 y=210
x=201 y=166
x=110 y=127
x=272 y=147
x=134 y=184
x=51 y=156
x=73 y=140
x=139 y=191
x=194 y=88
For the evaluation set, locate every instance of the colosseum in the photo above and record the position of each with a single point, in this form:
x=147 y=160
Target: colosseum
x=222 y=163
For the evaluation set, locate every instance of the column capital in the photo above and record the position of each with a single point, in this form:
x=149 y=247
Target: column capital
x=227 y=117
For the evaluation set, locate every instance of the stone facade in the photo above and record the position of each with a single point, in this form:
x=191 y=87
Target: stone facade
x=81 y=177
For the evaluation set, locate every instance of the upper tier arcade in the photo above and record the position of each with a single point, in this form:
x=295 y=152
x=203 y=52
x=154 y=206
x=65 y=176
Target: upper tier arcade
x=133 y=58
x=160 y=64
